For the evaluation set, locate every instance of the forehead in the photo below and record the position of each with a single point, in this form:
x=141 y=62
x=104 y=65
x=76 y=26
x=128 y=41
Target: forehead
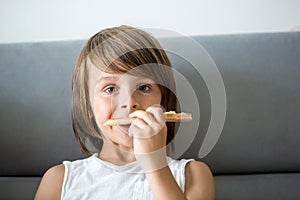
x=154 y=71
x=98 y=76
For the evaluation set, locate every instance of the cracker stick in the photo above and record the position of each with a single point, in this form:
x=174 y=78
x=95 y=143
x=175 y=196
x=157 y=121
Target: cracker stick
x=171 y=116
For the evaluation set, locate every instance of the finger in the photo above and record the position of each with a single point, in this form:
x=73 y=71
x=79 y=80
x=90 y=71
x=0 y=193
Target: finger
x=159 y=117
x=139 y=133
x=157 y=113
x=140 y=123
x=146 y=116
x=152 y=123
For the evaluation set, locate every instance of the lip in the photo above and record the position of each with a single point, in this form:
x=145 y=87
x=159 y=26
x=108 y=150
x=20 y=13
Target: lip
x=124 y=128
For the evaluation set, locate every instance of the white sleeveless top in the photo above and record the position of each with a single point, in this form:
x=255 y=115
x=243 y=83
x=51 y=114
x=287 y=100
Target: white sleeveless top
x=93 y=178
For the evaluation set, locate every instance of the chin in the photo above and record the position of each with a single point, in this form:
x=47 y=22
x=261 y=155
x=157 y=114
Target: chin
x=127 y=141
x=126 y=146
x=123 y=137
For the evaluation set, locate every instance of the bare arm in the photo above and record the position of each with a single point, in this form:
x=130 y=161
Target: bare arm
x=149 y=132
x=163 y=185
x=51 y=184
x=199 y=181
x=198 y=185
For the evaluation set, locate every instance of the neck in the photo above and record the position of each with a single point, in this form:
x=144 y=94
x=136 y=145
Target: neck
x=115 y=154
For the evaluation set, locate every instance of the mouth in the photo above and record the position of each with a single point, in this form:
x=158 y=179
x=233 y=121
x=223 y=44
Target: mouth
x=124 y=128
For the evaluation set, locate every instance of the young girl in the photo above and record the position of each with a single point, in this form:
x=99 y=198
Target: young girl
x=123 y=72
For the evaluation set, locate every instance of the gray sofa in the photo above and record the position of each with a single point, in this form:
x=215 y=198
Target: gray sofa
x=256 y=157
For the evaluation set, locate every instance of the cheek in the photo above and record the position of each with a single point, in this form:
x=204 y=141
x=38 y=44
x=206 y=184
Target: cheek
x=102 y=110
x=156 y=98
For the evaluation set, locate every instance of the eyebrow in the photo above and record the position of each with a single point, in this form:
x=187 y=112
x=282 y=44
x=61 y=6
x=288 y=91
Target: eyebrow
x=107 y=78
x=117 y=78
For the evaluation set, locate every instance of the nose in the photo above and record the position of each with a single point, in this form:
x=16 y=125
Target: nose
x=130 y=102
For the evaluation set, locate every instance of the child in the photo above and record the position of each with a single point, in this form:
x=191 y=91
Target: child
x=123 y=72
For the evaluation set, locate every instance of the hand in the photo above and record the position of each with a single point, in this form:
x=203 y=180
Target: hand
x=149 y=133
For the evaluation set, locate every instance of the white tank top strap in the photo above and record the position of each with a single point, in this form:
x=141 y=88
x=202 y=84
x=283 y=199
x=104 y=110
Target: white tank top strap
x=178 y=170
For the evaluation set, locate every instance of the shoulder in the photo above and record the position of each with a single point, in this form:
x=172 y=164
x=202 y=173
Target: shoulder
x=199 y=182
x=51 y=183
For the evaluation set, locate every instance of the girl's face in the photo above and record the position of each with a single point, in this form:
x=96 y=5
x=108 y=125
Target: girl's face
x=116 y=96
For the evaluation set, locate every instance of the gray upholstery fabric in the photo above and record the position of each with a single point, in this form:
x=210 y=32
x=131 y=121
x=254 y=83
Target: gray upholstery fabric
x=256 y=157
x=35 y=107
x=258 y=186
x=18 y=187
x=261 y=73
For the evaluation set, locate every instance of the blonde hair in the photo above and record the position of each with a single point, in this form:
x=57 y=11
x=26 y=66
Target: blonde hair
x=118 y=50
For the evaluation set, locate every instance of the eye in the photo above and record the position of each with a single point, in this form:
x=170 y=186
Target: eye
x=144 y=88
x=110 y=89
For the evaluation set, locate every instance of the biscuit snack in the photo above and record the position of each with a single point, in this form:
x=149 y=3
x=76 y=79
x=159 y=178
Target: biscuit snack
x=171 y=116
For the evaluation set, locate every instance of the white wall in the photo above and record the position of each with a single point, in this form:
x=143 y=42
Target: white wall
x=47 y=20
